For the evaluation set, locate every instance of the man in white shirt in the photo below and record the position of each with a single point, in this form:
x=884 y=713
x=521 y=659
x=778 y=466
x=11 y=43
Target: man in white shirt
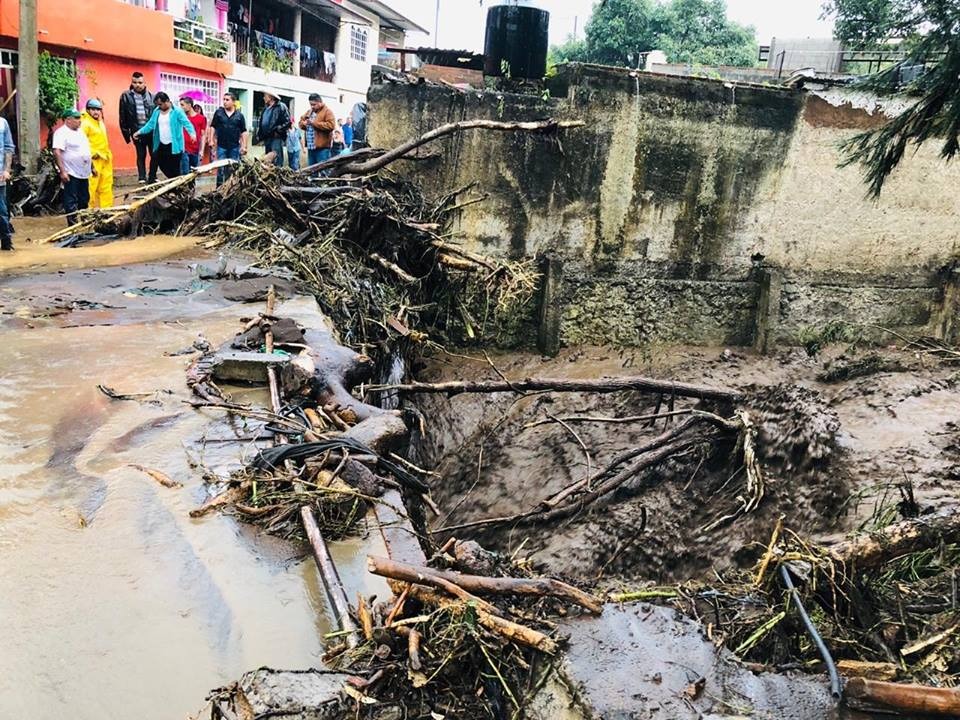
x=72 y=150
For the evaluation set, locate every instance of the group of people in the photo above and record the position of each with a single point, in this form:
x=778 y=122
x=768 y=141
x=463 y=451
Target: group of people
x=317 y=132
x=171 y=138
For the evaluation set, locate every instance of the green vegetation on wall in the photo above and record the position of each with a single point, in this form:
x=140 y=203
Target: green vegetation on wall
x=58 y=89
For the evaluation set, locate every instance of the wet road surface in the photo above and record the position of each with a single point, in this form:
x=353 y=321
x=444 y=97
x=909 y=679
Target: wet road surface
x=113 y=601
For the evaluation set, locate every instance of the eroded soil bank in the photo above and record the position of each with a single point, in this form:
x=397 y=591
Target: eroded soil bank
x=836 y=450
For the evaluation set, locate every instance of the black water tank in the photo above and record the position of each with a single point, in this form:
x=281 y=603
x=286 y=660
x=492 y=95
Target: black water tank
x=517 y=38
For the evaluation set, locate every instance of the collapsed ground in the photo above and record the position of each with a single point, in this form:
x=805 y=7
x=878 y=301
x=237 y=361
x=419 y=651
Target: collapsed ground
x=835 y=454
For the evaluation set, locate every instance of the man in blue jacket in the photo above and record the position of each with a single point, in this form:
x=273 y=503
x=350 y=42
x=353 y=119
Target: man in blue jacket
x=168 y=123
x=7 y=148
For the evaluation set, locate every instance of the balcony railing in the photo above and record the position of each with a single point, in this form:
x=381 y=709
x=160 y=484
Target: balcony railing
x=267 y=52
x=198 y=38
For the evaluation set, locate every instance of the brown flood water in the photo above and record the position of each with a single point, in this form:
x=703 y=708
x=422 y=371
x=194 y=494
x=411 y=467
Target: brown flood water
x=113 y=601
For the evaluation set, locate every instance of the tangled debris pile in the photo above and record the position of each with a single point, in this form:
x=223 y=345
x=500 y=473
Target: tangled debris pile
x=370 y=248
x=367 y=242
x=467 y=633
x=884 y=603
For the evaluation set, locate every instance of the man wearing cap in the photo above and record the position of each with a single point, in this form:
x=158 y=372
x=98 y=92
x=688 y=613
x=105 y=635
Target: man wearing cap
x=6 y=165
x=101 y=178
x=274 y=123
x=72 y=150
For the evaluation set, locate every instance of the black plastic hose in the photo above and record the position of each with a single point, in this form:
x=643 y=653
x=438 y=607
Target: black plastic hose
x=835 y=688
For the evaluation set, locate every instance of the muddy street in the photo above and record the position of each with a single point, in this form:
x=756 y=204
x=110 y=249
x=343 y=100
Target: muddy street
x=116 y=602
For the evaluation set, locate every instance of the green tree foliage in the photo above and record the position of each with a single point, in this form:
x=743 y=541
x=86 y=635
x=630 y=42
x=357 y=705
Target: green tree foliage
x=929 y=32
x=865 y=23
x=620 y=29
x=570 y=50
x=58 y=87
x=698 y=32
x=688 y=31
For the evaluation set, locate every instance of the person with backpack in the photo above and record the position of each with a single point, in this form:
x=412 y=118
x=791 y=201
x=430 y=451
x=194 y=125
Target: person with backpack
x=274 y=123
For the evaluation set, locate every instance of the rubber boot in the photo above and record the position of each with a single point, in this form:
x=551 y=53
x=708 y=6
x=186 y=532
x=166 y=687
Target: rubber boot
x=6 y=243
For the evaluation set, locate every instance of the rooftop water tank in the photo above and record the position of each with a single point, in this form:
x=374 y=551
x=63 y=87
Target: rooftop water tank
x=517 y=40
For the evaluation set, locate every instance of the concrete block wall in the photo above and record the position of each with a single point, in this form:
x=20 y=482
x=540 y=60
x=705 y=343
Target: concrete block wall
x=666 y=209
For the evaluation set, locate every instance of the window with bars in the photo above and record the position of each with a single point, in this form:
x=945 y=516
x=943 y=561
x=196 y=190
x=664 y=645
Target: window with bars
x=177 y=85
x=358 y=43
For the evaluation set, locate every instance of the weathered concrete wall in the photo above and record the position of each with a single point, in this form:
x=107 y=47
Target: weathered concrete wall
x=664 y=208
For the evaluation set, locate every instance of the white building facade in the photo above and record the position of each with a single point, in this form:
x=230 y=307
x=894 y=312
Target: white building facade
x=294 y=48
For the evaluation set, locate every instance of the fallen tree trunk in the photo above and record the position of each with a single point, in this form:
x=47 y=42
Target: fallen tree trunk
x=874 y=549
x=480 y=584
x=378 y=163
x=604 y=385
x=942 y=702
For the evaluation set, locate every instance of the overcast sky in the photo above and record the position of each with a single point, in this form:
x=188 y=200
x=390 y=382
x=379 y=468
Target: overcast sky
x=462 y=21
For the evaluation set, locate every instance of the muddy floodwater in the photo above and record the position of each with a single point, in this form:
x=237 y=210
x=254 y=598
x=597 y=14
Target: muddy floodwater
x=113 y=601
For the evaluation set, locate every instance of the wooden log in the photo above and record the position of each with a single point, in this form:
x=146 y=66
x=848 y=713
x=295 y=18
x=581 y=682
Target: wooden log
x=604 y=385
x=378 y=163
x=482 y=585
x=874 y=549
x=869 y=670
x=114 y=213
x=913 y=699
x=328 y=573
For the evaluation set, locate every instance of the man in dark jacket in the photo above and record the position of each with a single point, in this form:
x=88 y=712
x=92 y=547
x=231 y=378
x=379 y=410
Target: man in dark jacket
x=136 y=106
x=273 y=127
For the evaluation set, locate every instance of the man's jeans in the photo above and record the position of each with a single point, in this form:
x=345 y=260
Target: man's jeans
x=226 y=154
x=5 y=227
x=317 y=155
x=188 y=161
x=76 y=196
x=276 y=146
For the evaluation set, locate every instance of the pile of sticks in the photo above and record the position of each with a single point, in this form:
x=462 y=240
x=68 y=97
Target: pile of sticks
x=453 y=643
x=884 y=606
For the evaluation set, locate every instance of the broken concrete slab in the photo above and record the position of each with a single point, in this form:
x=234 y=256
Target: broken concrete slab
x=247 y=367
x=255 y=289
x=304 y=695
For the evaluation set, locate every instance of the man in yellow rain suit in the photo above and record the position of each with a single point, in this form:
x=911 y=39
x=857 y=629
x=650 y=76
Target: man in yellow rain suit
x=101 y=179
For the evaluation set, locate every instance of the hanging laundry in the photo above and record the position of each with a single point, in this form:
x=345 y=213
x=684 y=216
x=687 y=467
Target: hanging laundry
x=329 y=63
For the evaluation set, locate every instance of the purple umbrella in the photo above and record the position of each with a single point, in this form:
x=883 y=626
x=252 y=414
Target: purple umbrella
x=198 y=96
